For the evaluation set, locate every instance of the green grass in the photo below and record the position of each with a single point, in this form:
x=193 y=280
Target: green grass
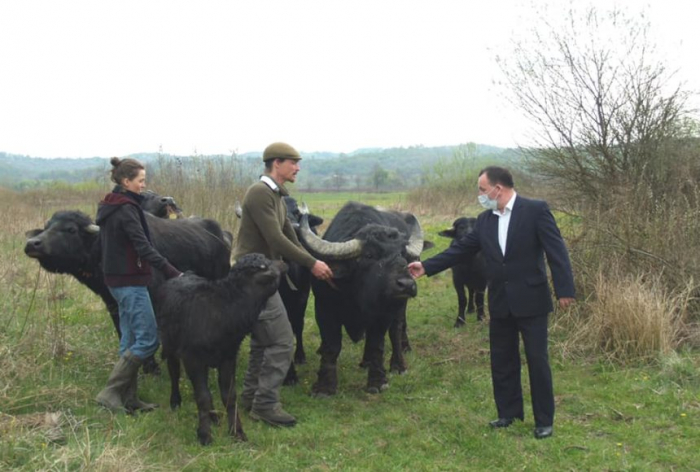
x=57 y=351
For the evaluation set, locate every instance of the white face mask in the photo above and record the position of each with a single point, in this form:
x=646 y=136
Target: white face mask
x=488 y=203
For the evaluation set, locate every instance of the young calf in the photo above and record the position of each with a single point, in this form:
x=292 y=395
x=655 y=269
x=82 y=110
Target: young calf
x=203 y=323
x=469 y=273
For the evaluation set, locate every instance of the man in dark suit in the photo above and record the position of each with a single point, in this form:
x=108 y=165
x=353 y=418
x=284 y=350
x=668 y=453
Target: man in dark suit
x=513 y=235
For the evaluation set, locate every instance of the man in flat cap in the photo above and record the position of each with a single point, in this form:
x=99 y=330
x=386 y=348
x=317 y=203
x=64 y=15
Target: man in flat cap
x=265 y=229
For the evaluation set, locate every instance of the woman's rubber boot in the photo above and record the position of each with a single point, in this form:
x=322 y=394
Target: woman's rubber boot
x=113 y=395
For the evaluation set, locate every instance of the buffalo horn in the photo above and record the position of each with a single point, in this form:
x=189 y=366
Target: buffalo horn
x=415 y=242
x=347 y=250
x=238 y=209
x=92 y=229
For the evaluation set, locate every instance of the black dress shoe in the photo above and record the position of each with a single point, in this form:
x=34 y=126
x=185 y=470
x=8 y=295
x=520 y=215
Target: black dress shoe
x=542 y=432
x=501 y=422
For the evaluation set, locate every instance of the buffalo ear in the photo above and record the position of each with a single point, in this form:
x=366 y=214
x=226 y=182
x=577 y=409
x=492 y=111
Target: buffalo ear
x=315 y=221
x=32 y=232
x=428 y=245
x=448 y=233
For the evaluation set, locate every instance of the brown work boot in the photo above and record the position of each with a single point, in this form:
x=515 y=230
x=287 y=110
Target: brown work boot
x=274 y=416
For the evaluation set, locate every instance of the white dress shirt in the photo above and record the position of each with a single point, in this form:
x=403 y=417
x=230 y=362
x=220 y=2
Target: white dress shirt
x=504 y=222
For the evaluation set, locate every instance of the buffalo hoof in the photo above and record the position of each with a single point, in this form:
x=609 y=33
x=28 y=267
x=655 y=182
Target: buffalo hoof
x=406 y=348
x=240 y=436
x=322 y=394
x=214 y=417
x=460 y=322
x=291 y=378
x=364 y=364
x=322 y=391
x=204 y=438
x=398 y=369
x=374 y=389
x=175 y=403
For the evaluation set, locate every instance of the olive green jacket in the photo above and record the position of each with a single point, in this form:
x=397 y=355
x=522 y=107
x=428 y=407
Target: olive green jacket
x=265 y=228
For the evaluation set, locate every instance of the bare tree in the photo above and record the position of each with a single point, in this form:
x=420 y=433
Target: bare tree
x=602 y=103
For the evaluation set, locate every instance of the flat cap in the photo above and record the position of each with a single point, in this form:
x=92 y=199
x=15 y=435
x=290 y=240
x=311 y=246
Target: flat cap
x=280 y=151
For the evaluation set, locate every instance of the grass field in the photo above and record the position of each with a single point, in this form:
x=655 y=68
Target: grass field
x=57 y=347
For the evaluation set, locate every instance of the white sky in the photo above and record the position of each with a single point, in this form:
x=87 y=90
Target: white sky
x=103 y=78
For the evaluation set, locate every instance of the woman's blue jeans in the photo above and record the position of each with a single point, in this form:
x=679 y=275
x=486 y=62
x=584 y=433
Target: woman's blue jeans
x=136 y=321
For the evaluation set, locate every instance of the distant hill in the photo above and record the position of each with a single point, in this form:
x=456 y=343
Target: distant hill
x=403 y=167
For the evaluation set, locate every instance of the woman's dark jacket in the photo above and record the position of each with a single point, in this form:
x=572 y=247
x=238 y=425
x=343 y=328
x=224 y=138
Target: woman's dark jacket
x=127 y=252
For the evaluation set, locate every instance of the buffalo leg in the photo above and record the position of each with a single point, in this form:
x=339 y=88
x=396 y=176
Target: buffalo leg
x=396 y=333
x=327 y=382
x=299 y=354
x=174 y=372
x=197 y=373
x=150 y=366
x=227 y=388
x=405 y=345
x=113 y=310
x=461 y=304
x=479 y=305
x=374 y=346
x=470 y=300
x=298 y=328
x=292 y=378
x=331 y=345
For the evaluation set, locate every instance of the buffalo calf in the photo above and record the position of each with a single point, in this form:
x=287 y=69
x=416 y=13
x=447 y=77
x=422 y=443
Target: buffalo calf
x=468 y=273
x=203 y=323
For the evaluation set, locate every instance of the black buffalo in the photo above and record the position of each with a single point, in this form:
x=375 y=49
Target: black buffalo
x=203 y=323
x=368 y=250
x=160 y=206
x=69 y=244
x=469 y=273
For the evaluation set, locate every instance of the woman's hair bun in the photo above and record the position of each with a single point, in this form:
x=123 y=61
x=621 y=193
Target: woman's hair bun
x=115 y=161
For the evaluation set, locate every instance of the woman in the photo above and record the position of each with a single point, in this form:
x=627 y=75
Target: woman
x=127 y=257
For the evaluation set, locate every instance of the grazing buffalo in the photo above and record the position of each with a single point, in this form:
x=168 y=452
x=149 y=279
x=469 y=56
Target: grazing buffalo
x=69 y=244
x=469 y=273
x=368 y=250
x=162 y=207
x=203 y=323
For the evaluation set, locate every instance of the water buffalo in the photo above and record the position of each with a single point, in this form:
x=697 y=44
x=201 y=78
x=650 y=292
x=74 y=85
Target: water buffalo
x=368 y=250
x=162 y=207
x=468 y=273
x=203 y=323
x=69 y=244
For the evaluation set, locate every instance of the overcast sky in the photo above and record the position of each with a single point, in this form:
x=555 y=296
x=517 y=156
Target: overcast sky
x=103 y=78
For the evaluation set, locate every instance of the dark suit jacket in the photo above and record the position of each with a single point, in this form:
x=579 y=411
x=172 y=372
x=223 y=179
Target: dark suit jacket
x=517 y=282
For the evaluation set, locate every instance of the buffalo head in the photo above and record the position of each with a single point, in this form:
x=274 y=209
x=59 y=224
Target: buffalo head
x=162 y=207
x=460 y=228
x=373 y=264
x=65 y=244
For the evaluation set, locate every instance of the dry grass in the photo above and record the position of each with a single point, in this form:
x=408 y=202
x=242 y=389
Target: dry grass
x=629 y=318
